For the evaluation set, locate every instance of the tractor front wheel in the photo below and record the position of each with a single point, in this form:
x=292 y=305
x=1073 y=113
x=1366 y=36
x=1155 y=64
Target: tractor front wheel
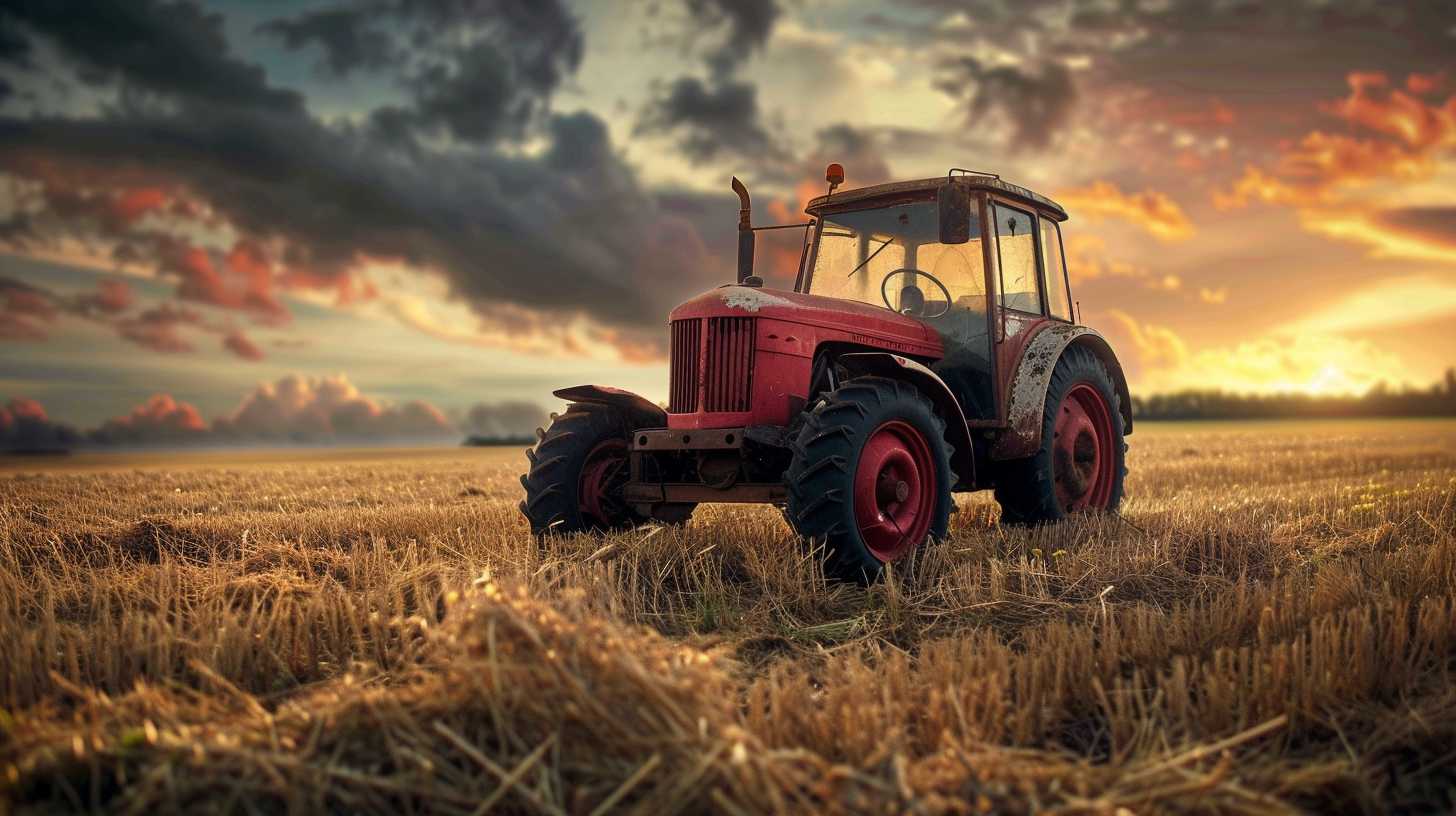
x=870 y=476
x=577 y=473
x=1080 y=464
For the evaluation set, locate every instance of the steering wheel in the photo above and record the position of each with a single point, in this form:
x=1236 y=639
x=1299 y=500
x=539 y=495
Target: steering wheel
x=917 y=310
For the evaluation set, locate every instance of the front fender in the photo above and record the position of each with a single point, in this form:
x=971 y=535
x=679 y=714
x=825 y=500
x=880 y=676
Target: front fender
x=958 y=434
x=1027 y=395
x=640 y=413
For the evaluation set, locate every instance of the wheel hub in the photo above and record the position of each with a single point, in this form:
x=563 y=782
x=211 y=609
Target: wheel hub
x=895 y=490
x=602 y=477
x=891 y=490
x=1082 y=454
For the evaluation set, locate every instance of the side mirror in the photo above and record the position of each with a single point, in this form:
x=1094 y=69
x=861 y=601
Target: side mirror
x=954 y=203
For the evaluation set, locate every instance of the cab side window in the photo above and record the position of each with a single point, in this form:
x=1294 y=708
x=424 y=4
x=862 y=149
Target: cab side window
x=1058 y=299
x=1016 y=248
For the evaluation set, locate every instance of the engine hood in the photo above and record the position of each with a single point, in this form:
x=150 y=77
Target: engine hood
x=849 y=316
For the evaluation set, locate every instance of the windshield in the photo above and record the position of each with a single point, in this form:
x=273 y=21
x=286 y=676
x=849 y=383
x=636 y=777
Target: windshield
x=858 y=250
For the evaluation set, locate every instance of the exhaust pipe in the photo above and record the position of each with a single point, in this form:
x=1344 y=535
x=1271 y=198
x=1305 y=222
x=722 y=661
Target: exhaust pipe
x=745 y=232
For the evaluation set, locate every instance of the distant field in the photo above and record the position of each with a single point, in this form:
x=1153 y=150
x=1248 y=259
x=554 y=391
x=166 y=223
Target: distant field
x=1270 y=627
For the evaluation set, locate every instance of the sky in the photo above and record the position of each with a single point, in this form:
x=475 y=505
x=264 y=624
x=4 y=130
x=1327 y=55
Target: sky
x=397 y=219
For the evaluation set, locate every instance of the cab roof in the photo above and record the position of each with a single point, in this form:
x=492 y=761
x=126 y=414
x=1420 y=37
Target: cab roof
x=986 y=182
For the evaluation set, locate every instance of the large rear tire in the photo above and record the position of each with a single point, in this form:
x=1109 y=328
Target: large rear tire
x=577 y=471
x=1081 y=463
x=870 y=477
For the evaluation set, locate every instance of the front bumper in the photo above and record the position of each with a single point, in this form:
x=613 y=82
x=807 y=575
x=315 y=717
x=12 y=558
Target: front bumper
x=693 y=466
x=674 y=439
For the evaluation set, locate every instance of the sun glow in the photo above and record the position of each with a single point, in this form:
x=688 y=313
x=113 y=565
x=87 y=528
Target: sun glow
x=1329 y=379
x=1305 y=363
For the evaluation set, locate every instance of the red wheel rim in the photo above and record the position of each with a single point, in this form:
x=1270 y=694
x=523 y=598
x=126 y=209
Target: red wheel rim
x=895 y=490
x=1082 y=454
x=602 y=476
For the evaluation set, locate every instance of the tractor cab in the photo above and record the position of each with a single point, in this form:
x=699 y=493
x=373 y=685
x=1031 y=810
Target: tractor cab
x=971 y=257
x=928 y=346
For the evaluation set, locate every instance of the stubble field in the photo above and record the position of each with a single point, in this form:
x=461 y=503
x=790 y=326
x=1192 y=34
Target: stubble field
x=1270 y=627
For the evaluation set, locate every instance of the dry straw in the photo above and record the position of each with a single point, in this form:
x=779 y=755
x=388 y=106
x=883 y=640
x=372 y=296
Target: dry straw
x=383 y=637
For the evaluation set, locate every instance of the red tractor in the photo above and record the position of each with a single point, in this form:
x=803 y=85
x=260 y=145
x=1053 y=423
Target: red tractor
x=929 y=346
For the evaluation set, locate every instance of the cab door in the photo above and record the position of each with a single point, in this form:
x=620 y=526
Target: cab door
x=1020 y=301
x=963 y=321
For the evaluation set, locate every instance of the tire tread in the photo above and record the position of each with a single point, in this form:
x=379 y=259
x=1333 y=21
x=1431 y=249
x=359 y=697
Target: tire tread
x=820 y=476
x=1024 y=486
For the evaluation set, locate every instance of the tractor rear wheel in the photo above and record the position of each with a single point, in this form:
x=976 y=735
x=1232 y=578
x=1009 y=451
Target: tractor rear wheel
x=577 y=472
x=870 y=476
x=1080 y=465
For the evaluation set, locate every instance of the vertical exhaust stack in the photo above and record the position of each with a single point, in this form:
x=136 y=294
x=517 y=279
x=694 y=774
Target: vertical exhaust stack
x=745 y=232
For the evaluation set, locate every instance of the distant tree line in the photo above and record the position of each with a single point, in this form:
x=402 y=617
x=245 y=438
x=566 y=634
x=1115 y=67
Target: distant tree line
x=491 y=440
x=1439 y=400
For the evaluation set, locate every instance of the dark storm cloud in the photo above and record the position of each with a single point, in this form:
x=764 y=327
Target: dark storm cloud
x=172 y=49
x=861 y=151
x=1037 y=102
x=1129 y=26
x=719 y=116
x=744 y=26
x=1284 y=51
x=14 y=47
x=709 y=120
x=348 y=37
x=478 y=69
x=1186 y=56
x=499 y=228
x=568 y=232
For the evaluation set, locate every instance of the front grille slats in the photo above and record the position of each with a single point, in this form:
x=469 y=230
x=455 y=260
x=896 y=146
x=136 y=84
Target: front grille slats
x=683 y=378
x=729 y=385
x=724 y=374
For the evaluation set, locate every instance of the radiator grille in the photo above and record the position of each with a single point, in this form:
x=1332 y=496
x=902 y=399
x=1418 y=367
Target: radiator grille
x=683 y=378
x=728 y=385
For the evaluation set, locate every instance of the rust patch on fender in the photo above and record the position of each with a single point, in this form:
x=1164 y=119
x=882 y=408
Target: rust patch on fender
x=1027 y=399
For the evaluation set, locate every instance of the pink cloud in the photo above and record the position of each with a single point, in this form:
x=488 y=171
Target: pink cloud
x=112 y=296
x=239 y=344
x=296 y=409
x=310 y=409
x=159 y=328
x=161 y=419
x=25 y=311
x=21 y=408
x=24 y=425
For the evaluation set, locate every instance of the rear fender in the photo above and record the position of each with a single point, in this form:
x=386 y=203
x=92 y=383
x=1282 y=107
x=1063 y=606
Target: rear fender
x=884 y=364
x=1027 y=396
x=640 y=413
